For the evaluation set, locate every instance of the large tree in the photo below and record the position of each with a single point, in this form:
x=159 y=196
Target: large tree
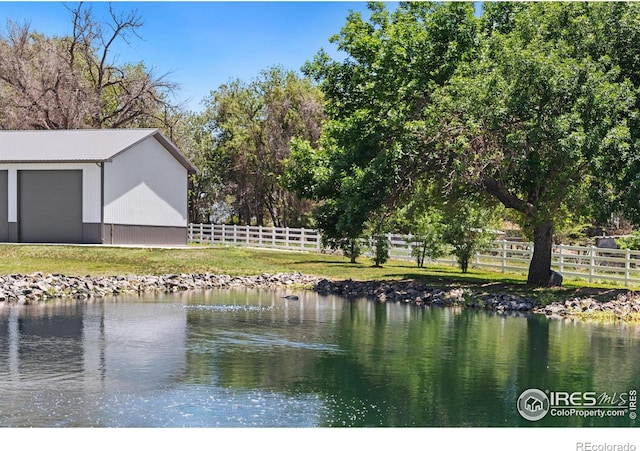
x=374 y=101
x=72 y=81
x=532 y=118
x=525 y=103
x=252 y=124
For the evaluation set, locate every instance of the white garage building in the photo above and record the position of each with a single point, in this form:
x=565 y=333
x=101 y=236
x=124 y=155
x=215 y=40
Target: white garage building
x=110 y=186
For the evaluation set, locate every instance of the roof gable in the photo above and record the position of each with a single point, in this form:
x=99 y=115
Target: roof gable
x=85 y=145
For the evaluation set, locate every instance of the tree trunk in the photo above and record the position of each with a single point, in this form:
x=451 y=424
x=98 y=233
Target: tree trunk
x=540 y=267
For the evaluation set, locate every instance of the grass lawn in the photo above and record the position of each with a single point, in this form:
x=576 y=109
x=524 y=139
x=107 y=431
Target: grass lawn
x=113 y=261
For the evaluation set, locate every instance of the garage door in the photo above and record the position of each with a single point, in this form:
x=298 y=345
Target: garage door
x=50 y=206
x=4 y=210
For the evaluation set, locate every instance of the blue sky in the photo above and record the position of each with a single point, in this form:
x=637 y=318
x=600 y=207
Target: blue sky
x=204 y=44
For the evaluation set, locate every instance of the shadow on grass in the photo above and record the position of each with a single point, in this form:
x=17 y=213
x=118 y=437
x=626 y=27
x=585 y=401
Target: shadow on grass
x=477 y=282
x=327 y=262
x=445 y=277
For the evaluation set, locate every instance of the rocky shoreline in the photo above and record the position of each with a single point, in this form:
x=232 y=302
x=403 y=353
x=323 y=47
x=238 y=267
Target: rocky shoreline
x=39 y=287
x=421 y=294
x=625 y=306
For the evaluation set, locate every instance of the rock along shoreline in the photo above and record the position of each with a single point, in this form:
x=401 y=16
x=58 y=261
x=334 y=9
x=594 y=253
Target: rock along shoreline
x=38 y=287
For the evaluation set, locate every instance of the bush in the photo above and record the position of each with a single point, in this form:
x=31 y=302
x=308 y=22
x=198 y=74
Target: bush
x=469 y=230
x=631 y=242
x=351 y=248
x=427 y=229
x=380 y=249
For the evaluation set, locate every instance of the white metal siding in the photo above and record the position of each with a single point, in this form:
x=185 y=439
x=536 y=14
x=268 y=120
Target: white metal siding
x=90 y=186
x=91 y=193
x=145 y=185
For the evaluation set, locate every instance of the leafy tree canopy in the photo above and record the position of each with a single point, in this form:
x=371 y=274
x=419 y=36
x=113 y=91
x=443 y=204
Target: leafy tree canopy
x=373 y=99
x=534 y=104
x=251 y=125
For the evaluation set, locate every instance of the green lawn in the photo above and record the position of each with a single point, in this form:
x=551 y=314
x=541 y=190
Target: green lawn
x=104 y=261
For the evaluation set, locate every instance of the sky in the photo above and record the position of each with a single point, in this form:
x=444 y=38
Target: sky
x=203 y=44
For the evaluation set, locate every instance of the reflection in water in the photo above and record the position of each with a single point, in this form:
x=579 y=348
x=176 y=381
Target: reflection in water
x=251 y=358
x=63 y=357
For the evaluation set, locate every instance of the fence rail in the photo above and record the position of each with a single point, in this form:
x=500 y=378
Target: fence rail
x=256 y=236
x=590 y=263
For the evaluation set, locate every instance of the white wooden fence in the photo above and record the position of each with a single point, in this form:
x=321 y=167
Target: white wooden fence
x=256 y=236
x=590 y=263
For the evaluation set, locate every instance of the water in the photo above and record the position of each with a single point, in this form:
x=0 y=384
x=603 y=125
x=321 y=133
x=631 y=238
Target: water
x=253 y=359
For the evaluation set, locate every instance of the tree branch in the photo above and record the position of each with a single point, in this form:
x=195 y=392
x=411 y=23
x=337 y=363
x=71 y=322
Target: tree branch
x=498 y=190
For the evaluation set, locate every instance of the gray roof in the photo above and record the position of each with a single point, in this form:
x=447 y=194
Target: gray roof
x=78 y=146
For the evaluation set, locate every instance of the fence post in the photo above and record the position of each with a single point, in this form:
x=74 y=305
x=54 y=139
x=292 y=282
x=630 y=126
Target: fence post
x=220 y=233
x=504 y=256
x=627 y=267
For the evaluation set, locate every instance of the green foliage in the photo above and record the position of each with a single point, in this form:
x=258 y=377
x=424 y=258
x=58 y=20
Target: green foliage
x=380 y=247
x=192 y=135
x=631 y=242
x=251 y=125
x=305 y=169
x=422 y=217
x=428 y=237
x=365 y=161
x=350 y=247
x=460 y=223
x=469 y=228
x=571 y=231
x=534 y=104
x=535 y=118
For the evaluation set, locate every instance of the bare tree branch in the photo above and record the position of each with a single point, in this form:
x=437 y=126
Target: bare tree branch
x=73 y=81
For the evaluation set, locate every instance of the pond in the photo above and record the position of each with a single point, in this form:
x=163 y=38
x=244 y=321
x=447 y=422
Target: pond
x=243 y=358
